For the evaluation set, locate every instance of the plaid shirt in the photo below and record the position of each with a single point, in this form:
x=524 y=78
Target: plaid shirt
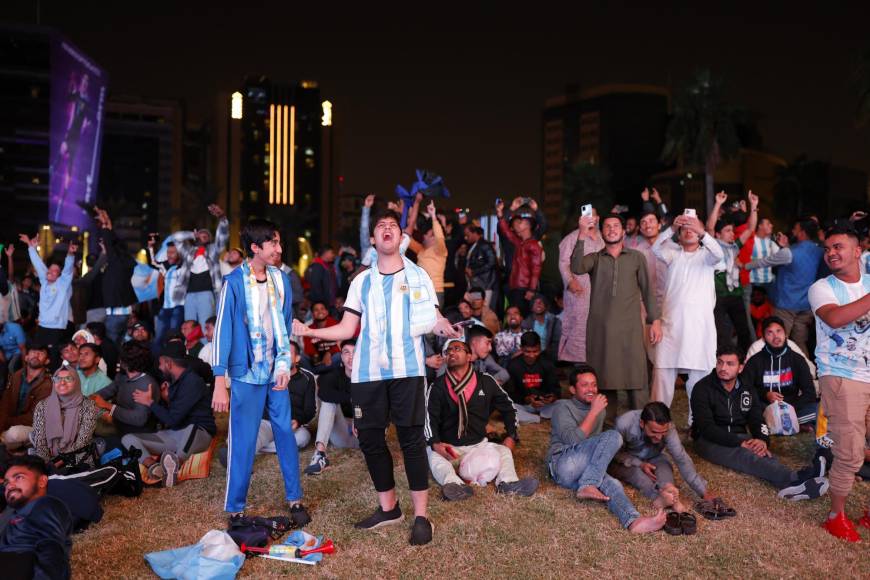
x=187 y=251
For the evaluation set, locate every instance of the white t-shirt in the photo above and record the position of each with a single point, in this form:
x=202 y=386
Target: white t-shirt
x=842 y=352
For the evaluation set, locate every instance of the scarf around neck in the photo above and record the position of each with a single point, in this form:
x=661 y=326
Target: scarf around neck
x=460 y=390
x=256 y=330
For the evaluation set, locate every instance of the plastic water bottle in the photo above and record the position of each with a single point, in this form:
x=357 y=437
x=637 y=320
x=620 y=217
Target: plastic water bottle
x=787 y=427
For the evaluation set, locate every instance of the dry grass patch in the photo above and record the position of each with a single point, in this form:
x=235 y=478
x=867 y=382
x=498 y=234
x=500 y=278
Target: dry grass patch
x=489 y=536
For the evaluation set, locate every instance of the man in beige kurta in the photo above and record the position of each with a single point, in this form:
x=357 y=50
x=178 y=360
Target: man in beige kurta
x=615 y=346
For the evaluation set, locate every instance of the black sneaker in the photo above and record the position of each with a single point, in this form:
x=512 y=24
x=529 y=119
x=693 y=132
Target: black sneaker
x=525 y=487
x=318 y=464
x=809 y=489
x=299 y=516
x=380 y=518
x=818 y=468
x=456 y=492
x=421 y=531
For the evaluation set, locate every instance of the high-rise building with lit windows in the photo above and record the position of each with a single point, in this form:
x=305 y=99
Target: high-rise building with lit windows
x=619 y=127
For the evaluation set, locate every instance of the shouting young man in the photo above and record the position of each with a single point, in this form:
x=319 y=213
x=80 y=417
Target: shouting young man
x=395 y=303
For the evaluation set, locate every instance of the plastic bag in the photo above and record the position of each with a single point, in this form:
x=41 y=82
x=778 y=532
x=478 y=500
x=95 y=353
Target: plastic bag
x=480 y=465
x=781 y=418
x=214 y=557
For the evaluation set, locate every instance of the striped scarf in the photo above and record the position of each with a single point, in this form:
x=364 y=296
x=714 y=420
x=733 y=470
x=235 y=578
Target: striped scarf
x=460 y=391
x=422 y=307
x=256 y=331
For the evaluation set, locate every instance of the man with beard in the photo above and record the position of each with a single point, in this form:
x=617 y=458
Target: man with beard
x=689 y=329
x=37 y=536
x=580 y=451
x=233 y=259
x=780 y=374
x=642 y=463
x=507 y=342
x=841 y=303
x=459 y=406
x=729 y=430
x=619 y=283
x=26 y=388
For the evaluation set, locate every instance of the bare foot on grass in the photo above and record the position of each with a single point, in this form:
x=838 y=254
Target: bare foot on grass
x=591 y=492
x=645 y=525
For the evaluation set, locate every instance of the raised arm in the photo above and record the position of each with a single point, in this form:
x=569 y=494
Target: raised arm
x=721 y=198
x=752 y=222
x=222 y=233
x=38 y=264
x=412 y=215
x=365 y=216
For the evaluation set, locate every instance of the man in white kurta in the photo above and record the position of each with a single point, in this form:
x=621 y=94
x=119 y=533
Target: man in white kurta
x=688 y=326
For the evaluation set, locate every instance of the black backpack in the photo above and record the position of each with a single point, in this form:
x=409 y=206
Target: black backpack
x=256 y=531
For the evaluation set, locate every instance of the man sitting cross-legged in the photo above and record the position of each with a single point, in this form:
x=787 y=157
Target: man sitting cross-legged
x=646 y=434
x=580 y=453
x=724 y=409
x=460 y=403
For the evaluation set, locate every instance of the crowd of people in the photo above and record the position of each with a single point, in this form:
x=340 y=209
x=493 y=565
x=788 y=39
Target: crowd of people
x=454 y=339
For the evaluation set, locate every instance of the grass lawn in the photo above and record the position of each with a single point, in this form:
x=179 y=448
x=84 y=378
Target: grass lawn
x=548 y=535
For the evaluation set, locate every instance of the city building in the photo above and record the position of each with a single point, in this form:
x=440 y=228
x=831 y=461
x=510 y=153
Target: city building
x=141 y=172
x=617 y=128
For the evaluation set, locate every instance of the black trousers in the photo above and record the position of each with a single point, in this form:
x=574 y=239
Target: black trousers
x=730 y=314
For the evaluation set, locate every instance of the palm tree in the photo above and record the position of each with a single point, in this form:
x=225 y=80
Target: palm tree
x=861 y=86
x=703 y=129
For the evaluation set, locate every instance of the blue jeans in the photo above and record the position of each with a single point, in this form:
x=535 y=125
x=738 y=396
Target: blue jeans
x=116 y=327
x=168 y=319
x=199 y=306
x=586 y=464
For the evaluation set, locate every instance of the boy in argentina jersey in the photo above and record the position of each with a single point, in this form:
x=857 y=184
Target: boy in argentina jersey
x=394 y=303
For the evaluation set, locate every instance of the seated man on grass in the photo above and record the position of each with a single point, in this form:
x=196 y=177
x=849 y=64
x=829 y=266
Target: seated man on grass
x=534 y=381
x=778 y=373
x=580 y=452
x=335 y=419
x=646 y=434
x=37 y=535
x=729 y=430
x=183 y=410
x=459 y=406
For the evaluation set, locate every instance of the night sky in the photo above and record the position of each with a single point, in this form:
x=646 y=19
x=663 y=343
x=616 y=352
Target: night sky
x=459 y=90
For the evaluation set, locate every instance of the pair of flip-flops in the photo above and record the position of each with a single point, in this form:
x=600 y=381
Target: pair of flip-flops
x=681 y=524
x=715 y=509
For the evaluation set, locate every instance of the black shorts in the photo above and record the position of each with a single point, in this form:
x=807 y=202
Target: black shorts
x=376 y=403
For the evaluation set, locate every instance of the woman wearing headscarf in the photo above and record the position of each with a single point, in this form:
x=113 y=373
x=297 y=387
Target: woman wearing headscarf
x=65 y=420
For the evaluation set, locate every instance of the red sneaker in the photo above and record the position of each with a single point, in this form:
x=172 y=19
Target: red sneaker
x=865 y=521
x=842 y=527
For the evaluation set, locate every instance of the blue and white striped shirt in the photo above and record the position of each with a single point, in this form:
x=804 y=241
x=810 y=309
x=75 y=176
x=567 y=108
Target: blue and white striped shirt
x=405 y=353
x=762 y=248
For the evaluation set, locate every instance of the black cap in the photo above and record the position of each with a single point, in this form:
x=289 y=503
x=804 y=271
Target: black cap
x=174 y=350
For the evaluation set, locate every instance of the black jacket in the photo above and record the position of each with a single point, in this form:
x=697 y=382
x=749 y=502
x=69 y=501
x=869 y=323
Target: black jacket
x=189 y=404
x=786 y=370
x=722 y=417
x=42 y=527
x=322 y=284
x=116 y=286
x=334 y=387
x=482 y=263
x=303 y=403
x=444 y=412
